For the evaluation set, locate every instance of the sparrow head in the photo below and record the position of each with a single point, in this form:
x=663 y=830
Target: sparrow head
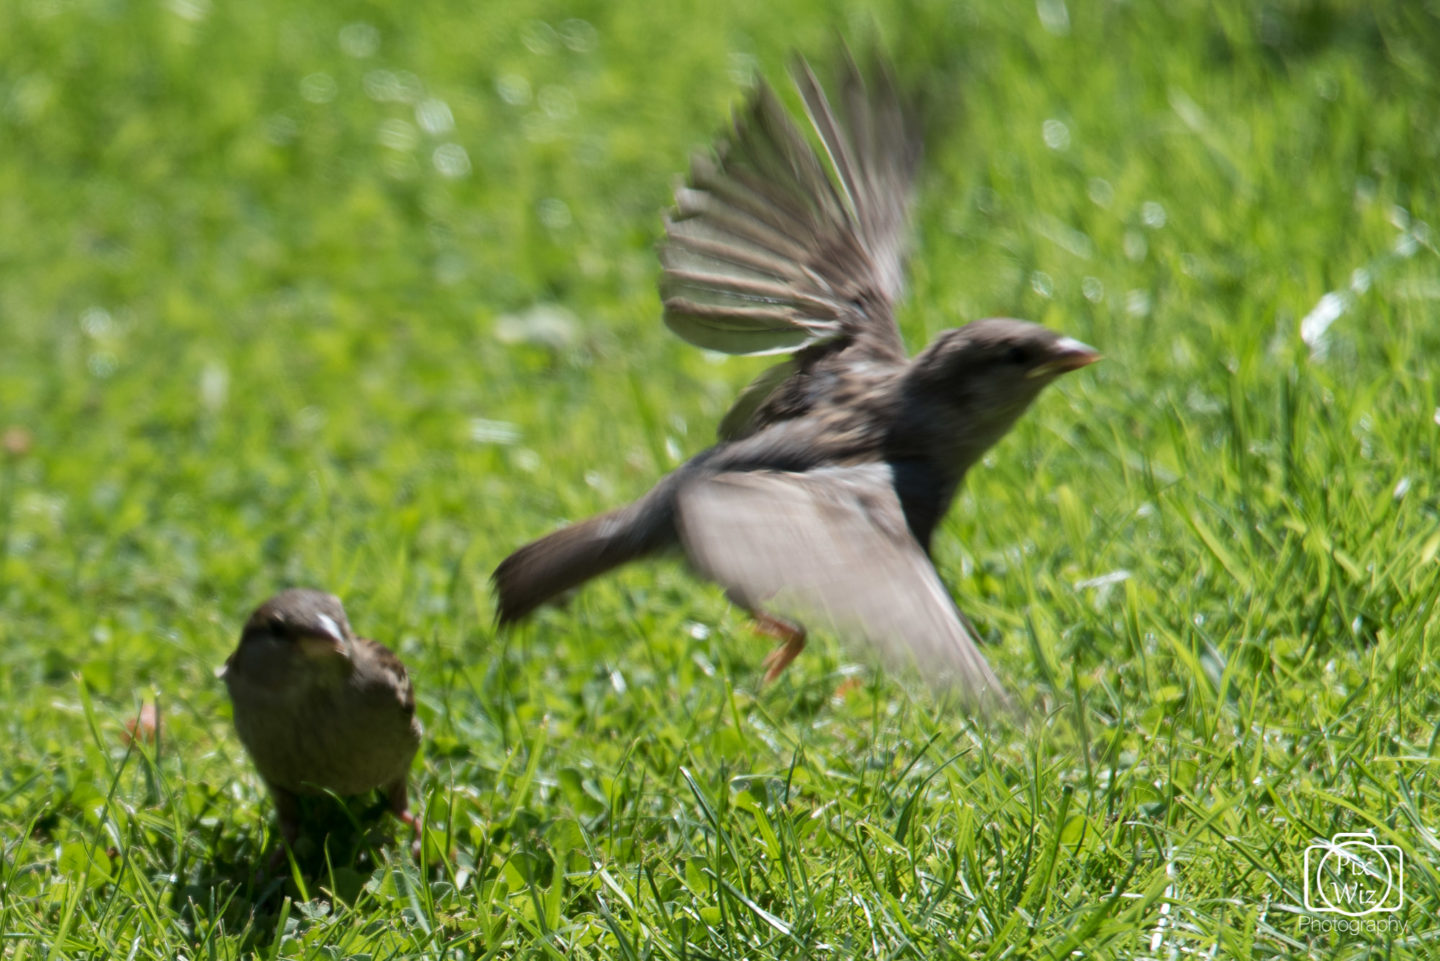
x=306 y=622
x=980 y=377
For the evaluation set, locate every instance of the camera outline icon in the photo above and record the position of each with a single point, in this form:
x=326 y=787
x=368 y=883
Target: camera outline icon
x=1354 y=855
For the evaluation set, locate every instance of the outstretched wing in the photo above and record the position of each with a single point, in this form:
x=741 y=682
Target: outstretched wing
x=771 y=247
x=833 y=544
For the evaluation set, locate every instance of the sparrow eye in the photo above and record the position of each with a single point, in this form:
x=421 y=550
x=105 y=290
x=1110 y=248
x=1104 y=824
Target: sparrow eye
x=1017 y=355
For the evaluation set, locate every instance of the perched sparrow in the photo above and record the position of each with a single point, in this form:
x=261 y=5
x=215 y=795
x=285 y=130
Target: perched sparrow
x=320 y=709
x=833 y=468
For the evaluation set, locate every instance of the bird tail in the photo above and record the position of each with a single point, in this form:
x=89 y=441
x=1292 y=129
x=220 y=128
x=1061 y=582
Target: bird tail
x=543 y=569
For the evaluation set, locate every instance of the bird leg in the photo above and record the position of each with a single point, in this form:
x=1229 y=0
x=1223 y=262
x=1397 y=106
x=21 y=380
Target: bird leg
x=287 y=812
x=790 y=635
x=397 y=793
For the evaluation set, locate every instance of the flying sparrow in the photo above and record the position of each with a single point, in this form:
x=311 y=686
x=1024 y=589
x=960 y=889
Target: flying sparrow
x=320 y=709
x=833 y=468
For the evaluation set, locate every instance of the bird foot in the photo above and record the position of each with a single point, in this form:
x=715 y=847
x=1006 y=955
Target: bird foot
x=792 y=642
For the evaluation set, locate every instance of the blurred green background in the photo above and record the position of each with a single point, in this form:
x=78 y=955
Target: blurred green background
x=362 y=296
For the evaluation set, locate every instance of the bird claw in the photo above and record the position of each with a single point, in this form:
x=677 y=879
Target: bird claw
x=792 y=642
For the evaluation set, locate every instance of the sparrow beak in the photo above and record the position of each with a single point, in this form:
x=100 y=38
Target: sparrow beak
x=1066 y=355
x=323 y=639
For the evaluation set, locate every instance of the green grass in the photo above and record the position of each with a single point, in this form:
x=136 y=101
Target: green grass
x=250 y=326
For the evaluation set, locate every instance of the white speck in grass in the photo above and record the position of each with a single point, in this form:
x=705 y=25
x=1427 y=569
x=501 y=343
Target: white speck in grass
x=1135 y=245
x=1100 y=192
x=513 y=89
x=48 y=508
x=1436 y=417
x=526 y=460
x=310 y=419
x=485 y=431
x=359 y=40
x=381 y=85
x=1103 y=580
x=1399 y=217
x=554 y=213
x=214 y=385
x=1402 y=487
x=1315 y=327
x=545 y=325
x=1406 y=245
x=96 y=322
x=1152 y=215
x=1056 y=134
x=617 y=681
x=1165 y=922
x=1137 y=303
x=1103 y=585
x=1201 y=402
x=192 y=10
x=388 y=86
x=398 y=134
x=539 y=37
x=1054 y=17
x=578 y=35
x=319 y=87
x=1093 y=289
x=1042 y=284
x=434 y=117
x=102 y=365
x=598 y=481
x=673 y=451
x=451 y=160
x=557 y=102
x=697 y=631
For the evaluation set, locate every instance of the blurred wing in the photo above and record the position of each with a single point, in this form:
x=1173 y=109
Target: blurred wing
x=833 y=543
x=739 y=421
x=767 y=252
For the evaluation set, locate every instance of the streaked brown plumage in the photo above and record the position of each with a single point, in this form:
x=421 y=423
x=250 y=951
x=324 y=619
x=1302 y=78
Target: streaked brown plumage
x=834 y=467
x=319 y=709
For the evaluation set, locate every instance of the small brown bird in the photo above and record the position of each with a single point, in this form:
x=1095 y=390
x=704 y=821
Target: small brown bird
x=320 y=709
x=834 y=467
